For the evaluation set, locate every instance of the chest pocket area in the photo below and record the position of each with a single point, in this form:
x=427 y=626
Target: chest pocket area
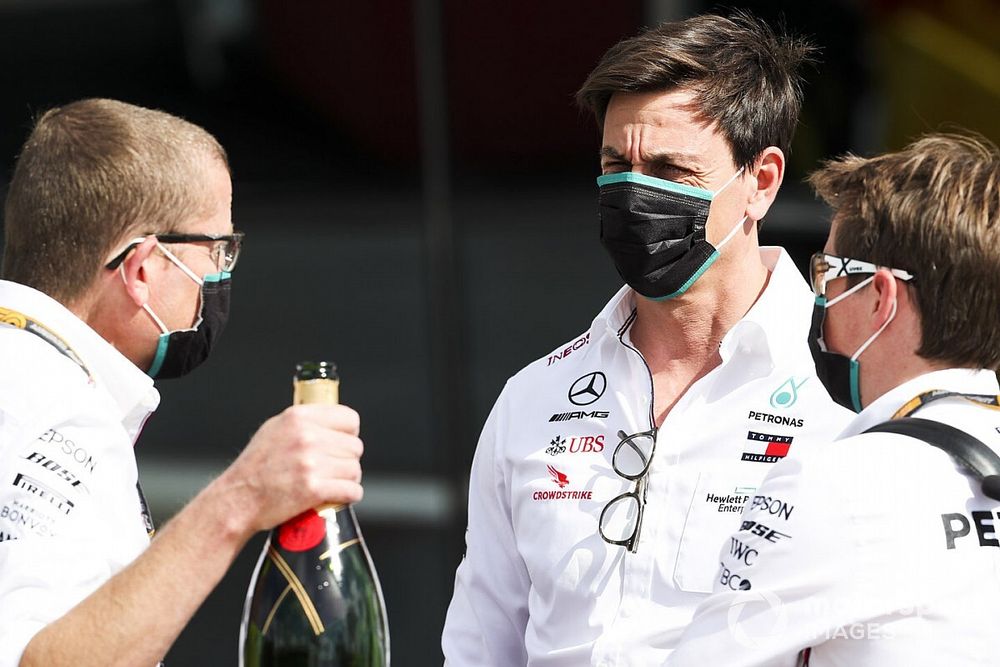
x=713 y=515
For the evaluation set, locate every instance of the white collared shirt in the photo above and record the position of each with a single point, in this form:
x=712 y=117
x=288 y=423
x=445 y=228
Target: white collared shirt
x=70 y=514
x=538 y=585
x=883 y=551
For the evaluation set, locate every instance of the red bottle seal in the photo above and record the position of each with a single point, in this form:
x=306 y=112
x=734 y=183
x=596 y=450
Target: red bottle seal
x=303 y=532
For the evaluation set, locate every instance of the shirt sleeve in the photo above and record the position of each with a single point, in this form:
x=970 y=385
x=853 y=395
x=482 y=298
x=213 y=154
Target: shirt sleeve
x=62 y=537
x=807 y=563
x=488 y=614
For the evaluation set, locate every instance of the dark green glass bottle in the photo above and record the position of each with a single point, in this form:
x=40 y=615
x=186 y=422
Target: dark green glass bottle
x=315 y=599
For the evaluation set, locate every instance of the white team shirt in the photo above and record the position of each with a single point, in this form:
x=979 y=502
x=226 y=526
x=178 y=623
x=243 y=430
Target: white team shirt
x=70 y=515
x=538 y=585
x=882 y=551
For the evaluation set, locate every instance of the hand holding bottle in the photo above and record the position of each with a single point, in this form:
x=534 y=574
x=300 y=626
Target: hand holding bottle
x=306 y=456
x=314 y=598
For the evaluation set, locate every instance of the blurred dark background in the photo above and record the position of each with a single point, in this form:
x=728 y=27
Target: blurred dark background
x=417 y=191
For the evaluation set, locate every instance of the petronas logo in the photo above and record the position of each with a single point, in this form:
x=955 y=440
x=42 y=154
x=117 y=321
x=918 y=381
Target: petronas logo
x=787 y=394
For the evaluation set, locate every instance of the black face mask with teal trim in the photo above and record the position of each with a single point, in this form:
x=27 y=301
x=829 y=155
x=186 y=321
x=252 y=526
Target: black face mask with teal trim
x=654 y=230
x=180 y=352
x=840 y=374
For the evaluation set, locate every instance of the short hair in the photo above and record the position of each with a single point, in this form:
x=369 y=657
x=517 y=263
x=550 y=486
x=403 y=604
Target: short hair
x=744 y=76
x=92 y=173
x=932 y=209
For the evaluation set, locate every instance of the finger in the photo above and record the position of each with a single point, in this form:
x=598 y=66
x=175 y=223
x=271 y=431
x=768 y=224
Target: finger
x=342 y=492
x=335 y=417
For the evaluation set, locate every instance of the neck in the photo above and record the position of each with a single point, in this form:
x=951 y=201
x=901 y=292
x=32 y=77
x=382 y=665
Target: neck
x=887 y=369
x=685 y=333
x=107 y=310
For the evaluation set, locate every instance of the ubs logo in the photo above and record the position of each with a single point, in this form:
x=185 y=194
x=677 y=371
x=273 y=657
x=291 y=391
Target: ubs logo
x=588 y=389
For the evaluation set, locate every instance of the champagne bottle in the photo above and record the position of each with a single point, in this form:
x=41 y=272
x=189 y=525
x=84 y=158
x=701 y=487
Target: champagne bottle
x=314 y=599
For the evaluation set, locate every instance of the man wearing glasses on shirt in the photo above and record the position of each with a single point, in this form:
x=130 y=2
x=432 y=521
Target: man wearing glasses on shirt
x=118 y=255
x=610 y=471
x=889 y=551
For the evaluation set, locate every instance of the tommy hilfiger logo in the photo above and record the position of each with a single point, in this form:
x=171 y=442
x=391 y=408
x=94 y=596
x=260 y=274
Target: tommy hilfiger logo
x=766 y=448
x=558 y=477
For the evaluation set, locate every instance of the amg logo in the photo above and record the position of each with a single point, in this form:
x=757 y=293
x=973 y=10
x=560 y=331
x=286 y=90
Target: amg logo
x=35 y=487
x=567 y=416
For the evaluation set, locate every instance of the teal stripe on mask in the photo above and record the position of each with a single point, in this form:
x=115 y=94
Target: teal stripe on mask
x=855 y=387
x=216 y=277
x=653 y=182
x=690 y=281
x=161 y=354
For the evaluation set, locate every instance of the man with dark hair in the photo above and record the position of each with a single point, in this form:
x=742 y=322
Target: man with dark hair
x=880 y=549
x=119 y=248
x=610 y=471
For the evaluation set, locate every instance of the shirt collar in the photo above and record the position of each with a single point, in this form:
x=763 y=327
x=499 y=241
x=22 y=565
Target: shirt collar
x=963 y=380
x=778 y=319
x=131 y=389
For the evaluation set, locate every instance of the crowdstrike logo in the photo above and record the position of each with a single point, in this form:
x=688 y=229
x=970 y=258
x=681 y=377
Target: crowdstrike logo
x=563 y=494
x=558 y=477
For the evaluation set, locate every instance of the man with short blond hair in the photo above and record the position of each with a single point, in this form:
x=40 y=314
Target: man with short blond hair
x=879 y=548
x=119 y=252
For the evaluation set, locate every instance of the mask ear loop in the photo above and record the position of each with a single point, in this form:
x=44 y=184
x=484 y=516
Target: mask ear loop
x=875 y=335
x=732 y=232
x=850 y=291
x=729 y=182
x=180 y=265
x=145 y=306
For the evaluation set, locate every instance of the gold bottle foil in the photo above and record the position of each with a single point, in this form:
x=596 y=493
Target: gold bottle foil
x=323 y=391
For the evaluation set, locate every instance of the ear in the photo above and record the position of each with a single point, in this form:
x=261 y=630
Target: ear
x=887 y=298
x=769 y=174
x=134 y=272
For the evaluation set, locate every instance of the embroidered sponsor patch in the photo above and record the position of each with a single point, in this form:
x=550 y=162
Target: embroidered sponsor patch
x=766 y=447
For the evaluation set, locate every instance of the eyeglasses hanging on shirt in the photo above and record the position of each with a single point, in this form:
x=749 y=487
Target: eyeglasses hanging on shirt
x=621 y=518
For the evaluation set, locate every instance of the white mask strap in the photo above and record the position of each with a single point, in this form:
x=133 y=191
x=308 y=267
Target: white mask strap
x=180 y=265
x=729 y=182
x=732 y=232
x=850 y=291
x=145 y=306
x=159 y=322
x=875 y=335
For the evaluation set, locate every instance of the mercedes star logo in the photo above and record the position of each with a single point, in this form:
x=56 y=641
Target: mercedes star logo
x=588 y=389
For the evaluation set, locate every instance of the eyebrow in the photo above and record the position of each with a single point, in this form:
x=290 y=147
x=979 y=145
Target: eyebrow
x=683 y=160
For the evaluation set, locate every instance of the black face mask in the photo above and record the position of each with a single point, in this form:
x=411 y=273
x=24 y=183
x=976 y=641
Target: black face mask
x=839 y=373
x=654 y=231
x=180 y=352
